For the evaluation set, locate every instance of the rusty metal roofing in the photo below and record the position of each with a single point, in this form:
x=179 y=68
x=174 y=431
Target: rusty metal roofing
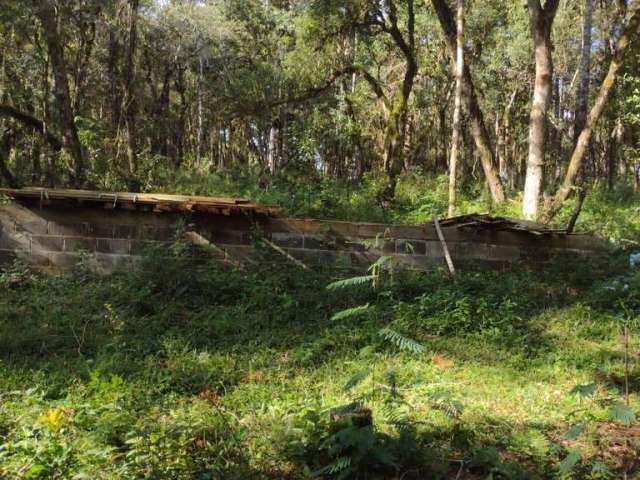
x=157 y=202
x=484 y=222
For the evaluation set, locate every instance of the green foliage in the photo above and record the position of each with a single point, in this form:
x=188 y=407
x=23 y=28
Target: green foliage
x=186 y=369
x=400 y=341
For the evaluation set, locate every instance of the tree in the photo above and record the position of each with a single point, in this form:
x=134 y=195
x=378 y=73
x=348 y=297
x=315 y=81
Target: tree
x=582 y=96
x=455 y=136
x=540 y=24
x=46 y=12
x=629 y=35
x=478 y=128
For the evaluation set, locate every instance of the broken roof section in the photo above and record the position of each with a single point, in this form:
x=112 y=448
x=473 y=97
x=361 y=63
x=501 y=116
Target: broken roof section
x=157 y=202
x=485 y=222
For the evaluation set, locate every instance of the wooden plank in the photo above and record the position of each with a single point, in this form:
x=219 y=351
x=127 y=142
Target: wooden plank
x=445 y=249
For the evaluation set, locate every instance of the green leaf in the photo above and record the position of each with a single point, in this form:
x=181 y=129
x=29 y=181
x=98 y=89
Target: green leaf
x=570 y=461
x=622 y=413
x=340 y=464
x=402 y=342
x=356 y=379
x=35 y=470
x=444 y=402
x=586 y=390
x=351 y=282
x=575 y=431
x=380 y=262
x=352 y=312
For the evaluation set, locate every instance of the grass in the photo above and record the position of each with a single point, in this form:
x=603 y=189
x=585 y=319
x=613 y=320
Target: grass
x=184 y=370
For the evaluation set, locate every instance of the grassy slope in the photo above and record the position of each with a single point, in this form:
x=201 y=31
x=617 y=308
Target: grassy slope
x=182 y=370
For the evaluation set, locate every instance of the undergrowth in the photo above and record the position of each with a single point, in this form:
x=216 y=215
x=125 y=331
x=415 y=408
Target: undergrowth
x=184 y=369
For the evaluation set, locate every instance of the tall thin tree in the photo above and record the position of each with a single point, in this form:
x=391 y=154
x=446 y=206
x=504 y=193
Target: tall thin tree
x=455 y=135
x=540 y=23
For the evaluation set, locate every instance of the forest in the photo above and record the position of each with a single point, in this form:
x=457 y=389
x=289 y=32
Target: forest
x=388 y=111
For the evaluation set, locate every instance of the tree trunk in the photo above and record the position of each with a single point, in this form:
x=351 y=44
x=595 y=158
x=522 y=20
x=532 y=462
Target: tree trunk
x=577 y=158
x=46 y=12
x=395 y=128
x=540 y=23
x=129 y=100
x=455 y=136
x=478 y=128
x=582 y=95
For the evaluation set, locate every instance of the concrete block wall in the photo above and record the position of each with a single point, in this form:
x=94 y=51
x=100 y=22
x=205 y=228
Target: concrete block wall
x=59 y=238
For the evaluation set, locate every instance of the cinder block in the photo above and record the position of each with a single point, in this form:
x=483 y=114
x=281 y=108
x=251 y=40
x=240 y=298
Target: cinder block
x=125 y=231
x=75 y=244
x=108 y=263
x=36 y=227
x=113 y=245
x=71 y=229
x=47 y=243
x=230 y=237
x=7 y=257
x=411 y=247
x=287 y=240
x=154 y=232
x=97 y=230
x=63 y=260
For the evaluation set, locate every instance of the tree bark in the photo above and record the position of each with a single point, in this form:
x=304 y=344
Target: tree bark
x=396 y=121
x=46 y=12
x=540 y=23
x=455 y=136
x=582 y=96
x=629 y=35
x=478 y=128
x=129 y=100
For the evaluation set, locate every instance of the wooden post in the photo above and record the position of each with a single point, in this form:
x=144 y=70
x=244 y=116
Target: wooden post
x=445 y=249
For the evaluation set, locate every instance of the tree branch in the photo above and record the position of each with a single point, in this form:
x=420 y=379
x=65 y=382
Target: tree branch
x=31 y=122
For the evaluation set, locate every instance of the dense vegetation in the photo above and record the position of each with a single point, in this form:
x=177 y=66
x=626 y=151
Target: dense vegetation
x=370 y=110
x=186 y=370
x=130 y=94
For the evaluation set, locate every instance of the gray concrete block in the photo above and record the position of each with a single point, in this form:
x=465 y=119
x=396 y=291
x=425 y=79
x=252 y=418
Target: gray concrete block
x=126 y=231
x=76 y=244
x=411 y=247
x=36 y=227
x=47 y=243
x=108 y=263
x=72 y=229
x=64 y=260
x=113 y=245
x=97 y=230
x=287 y=240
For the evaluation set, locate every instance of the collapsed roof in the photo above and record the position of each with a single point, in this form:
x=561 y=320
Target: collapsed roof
x=157 y=202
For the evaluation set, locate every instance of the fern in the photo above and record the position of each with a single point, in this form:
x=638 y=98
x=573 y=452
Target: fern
x=570 y=461
x=337 y=466
x=351 y=282
x=402 y=342
x=379 y=263
x=352 y=312
x=622 y=413
x=444 y=402
x=356 y=379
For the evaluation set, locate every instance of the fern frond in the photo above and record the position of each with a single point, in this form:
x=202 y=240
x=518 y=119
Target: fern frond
x=356 y=379
x=352 y=312
x=380 y=262
x=400 y=341
x=444 y=402
x=337 y=466
x=351 y=282
x=344 y=409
